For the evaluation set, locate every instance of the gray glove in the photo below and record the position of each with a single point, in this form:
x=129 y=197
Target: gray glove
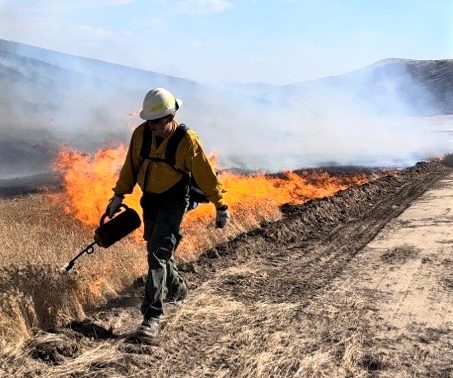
x=113 y=205
x=222 y=217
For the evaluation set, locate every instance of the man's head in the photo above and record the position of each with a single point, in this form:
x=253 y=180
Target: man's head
x=159 y=103
x=161 y=127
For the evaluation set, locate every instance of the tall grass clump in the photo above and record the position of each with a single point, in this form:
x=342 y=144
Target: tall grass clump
x=39 y=239
x=41 y=234
x=447 y=160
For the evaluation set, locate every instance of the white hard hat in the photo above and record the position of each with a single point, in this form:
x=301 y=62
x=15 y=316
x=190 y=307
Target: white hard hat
x=159 y=103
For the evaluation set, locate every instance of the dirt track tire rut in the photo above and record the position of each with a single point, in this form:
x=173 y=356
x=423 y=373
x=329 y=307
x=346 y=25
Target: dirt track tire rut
x=287 y=268
x=314 y=242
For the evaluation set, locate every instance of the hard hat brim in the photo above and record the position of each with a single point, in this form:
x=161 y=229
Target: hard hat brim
x=149 y=117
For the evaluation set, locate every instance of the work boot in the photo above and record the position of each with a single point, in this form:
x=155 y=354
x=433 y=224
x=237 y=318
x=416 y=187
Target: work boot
x=149 y=329
x=177 y=293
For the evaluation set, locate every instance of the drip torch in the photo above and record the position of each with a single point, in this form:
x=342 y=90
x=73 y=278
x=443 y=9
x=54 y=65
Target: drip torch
x=108 y=233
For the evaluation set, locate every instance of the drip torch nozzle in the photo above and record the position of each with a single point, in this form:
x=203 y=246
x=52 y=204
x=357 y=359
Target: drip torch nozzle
x=112 y=231
x=89 y=249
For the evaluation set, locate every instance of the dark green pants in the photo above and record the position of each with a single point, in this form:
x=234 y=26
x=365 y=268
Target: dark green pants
x=162 y=224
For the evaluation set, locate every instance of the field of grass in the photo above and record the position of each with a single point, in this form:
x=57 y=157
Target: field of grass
x=39 y=238
x=255 y=311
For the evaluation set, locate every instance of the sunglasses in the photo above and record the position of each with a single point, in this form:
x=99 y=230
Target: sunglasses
x=159 y=121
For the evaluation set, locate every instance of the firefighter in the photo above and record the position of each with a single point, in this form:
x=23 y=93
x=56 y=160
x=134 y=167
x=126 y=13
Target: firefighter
x=165 y=199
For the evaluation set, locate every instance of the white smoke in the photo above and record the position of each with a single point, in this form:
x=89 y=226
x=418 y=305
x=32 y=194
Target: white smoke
x=383 y=115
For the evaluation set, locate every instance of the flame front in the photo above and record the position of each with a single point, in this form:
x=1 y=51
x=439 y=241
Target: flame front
x=88 y=183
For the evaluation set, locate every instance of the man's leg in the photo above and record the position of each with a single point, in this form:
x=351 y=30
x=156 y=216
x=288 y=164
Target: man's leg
x=161 y=243
x=176 y=288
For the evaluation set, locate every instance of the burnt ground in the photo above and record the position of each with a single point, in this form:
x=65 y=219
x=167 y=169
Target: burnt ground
x=18 y=186
x=298 y=297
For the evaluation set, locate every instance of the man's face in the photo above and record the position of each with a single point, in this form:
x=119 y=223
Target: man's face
x=161 y=127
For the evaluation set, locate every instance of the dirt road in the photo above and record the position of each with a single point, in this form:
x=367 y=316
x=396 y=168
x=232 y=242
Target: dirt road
x=359 y=284
x=406 y=274
x=405 y=279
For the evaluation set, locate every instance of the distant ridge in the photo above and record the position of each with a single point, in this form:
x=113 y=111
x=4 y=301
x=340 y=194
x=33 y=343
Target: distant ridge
x=50 y=98
x=418 y=87
x=425 y=86
x=95 y=67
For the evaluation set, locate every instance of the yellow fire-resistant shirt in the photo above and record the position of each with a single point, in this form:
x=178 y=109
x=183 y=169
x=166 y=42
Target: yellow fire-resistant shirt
x=190 y=157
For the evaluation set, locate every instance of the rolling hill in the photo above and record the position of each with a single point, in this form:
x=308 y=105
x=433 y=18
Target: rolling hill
x=51 y=98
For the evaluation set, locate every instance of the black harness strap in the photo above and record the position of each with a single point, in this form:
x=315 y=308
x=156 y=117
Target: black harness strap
x=145 y=151
x=173 y=143
x=170 y=150
x=146 y=143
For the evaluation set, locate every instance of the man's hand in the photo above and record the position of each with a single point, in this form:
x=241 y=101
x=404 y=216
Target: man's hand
x=222 y=217
x=113 y=205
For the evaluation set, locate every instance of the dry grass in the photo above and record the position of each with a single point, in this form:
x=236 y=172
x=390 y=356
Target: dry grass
x=447 y=159
x=215 y=335
x=262 y=339
x=99 y=361
x=269 y=339
x=242 y=321
x=38 y=239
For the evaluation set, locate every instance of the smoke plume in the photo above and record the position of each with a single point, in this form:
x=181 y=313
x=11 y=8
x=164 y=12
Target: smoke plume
x=392 y=113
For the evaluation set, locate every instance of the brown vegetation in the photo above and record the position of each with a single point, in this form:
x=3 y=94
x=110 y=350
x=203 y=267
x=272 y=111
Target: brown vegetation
x=261 y=304
x=39 y=238
x=447 y=159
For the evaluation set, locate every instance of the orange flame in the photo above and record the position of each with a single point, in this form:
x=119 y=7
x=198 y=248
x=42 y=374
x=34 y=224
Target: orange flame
x=251 y=199
x=89 y=181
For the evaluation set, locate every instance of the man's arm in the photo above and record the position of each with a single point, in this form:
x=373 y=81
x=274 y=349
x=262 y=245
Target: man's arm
x=128 y=174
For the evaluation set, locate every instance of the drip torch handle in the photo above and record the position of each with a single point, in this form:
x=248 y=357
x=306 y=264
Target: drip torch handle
x=105 y=215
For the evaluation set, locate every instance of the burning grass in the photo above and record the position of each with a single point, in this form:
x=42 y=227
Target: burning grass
x=252 y=199
x=41 y=232
x=219 y=330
